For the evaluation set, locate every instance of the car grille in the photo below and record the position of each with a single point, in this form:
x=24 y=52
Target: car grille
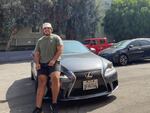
x=80 y=77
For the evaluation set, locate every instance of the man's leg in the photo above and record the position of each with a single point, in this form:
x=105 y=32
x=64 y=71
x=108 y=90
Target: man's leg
x=55 y=85
x=42 y=80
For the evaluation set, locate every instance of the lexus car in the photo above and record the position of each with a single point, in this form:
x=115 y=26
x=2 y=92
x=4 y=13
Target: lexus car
x=127 y=51
x=83 y=74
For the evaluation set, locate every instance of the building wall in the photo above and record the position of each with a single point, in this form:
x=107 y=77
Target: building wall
x=25 y=37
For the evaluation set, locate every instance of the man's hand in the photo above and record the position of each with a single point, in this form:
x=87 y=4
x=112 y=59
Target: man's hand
x=51 y=63
x=38 y=66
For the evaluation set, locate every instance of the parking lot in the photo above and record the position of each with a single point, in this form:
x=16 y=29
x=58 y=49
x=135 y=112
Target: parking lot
x=132 y=96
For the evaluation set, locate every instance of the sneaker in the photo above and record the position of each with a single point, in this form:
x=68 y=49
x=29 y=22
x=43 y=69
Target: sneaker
x=37 y=110
x=54 y=108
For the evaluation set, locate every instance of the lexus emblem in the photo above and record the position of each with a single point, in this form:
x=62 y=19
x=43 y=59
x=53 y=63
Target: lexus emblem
x=88 y=75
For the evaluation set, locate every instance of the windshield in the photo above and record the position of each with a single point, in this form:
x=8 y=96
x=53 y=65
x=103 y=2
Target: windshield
x=74 y=47
x=86 y=42
x=121 y=44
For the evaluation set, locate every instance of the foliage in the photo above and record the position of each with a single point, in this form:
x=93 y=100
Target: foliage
x=74 y=18
x=1 y=20
x=128 y=19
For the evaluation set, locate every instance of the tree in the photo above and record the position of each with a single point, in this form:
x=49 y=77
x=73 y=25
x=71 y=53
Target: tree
x=74 y=18
x=1 y=20
x=128 y=19
x=21 y=13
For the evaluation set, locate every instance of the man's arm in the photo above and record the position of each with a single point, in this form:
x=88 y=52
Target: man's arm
x=37 y=59
x=57 y=55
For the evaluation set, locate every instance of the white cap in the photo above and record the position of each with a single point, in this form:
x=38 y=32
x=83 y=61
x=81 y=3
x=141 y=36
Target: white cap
x=47 y=25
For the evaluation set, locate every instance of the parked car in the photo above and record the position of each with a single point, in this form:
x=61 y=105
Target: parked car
x=83 y=74
x=97 y=43
x=127 y=51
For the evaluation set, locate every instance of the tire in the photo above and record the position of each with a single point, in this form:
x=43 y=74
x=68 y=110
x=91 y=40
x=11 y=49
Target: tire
x=123 y=60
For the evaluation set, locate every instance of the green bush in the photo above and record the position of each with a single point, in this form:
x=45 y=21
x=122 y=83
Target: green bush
x=128 y=19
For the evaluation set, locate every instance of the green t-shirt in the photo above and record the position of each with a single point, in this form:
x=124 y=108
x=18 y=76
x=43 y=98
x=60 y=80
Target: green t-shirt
x=47 y=46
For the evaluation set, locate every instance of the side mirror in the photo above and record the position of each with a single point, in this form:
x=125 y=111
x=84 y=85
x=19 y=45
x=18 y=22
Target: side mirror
x=93 y=50
x=130 y=46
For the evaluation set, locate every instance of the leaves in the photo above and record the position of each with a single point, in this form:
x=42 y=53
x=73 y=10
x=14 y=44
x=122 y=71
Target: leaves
x=74 y=18
x=128 y=19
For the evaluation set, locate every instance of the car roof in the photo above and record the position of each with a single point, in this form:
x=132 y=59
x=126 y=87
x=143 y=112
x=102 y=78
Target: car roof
x=95 y=38
x=70 y=41
x=136 y=39
x=143 y=38
x=148 y=39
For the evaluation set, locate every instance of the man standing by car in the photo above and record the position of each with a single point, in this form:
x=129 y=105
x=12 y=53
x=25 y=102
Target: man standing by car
x=47 y=58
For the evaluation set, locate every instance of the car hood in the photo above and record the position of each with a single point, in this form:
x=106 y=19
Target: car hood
x=82 y=62
x=110 y=50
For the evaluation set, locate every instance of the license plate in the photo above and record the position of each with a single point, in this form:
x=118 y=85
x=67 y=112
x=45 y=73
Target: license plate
x=90 y=84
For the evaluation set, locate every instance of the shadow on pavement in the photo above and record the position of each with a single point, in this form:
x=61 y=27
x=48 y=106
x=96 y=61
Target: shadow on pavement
x=86 y=106
x=20 y=96
x=21 y=99
x=139 y=62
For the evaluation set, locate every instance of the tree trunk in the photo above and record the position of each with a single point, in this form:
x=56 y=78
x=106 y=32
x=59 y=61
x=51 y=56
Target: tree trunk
x=14 y=31
x=9 y=43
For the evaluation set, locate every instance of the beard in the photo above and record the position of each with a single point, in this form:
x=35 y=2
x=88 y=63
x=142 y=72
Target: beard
x=47 y=33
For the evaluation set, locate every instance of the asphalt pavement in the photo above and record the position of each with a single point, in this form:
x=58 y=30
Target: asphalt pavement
x=17 y=92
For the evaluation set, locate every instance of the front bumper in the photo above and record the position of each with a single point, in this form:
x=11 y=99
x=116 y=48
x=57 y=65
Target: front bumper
x=73 y=90
x=107 y=86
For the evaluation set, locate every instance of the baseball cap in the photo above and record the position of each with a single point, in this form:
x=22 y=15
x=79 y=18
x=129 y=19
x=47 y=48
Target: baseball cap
x=47 y=25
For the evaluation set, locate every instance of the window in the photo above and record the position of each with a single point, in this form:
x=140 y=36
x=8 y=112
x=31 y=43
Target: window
x=102 y=41
x=74 y=47
x=35 y=29
x=93 y=42
x=144 y=42
x=135 y=43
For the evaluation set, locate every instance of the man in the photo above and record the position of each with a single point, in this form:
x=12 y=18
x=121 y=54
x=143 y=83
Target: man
x=47 y=58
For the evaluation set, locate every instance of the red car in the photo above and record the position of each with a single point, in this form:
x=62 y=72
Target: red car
x=97 y=43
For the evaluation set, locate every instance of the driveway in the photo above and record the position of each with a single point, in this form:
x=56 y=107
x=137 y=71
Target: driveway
x=17 y=94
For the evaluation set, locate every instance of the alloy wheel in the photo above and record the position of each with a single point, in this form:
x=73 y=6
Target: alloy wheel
x=123 y=60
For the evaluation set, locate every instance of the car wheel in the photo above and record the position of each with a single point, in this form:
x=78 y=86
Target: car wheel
x=123 y=60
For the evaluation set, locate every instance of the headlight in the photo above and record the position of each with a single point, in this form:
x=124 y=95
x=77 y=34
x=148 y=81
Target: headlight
x=65 y=82
x=109 y=69
x=64 y=78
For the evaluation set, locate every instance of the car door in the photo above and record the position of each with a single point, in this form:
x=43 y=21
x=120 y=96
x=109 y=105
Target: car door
x=135 y=51
x=102 y=44
x=94 y=44
x=145 y=44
